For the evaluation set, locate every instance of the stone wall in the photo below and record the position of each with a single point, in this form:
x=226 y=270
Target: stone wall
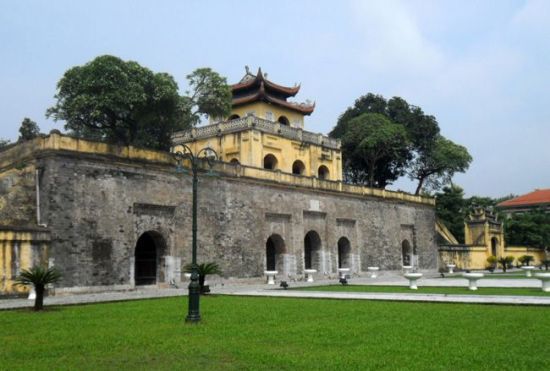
x=97 y=205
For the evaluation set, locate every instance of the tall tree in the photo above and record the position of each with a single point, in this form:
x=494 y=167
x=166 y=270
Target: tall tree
x=431 y=157
x=375 y=149
x=28 y=130
x=122 y=102
x=437 y=163
x=209 y=95
x=452 y=209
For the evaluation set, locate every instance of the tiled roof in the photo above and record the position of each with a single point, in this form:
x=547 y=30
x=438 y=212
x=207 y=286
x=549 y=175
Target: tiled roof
x=539 y=196
x=253 y=88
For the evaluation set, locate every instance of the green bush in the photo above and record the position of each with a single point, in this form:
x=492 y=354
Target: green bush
x=203 y=270
x=38 y=277
x=505 y=261
x=526 y=259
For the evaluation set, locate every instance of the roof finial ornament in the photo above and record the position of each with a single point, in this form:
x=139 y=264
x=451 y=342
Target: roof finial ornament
x=247 y=69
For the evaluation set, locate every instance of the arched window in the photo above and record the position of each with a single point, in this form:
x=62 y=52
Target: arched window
x=323 y=172
x=298 y=167
x=270 y=162
x=274 y=251
x=312 y=250
x=234 y=117
x=344 y=250
x=234 y=161
x=283 y=120
x=148 y=254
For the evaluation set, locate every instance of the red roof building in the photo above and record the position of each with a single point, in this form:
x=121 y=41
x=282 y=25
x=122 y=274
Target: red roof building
x=538 y=199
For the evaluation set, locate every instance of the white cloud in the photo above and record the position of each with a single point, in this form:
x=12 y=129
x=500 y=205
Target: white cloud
x=393 y=39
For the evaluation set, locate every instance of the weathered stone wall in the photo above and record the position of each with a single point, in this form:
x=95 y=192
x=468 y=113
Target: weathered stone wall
x=97 y=209
x=97 y=200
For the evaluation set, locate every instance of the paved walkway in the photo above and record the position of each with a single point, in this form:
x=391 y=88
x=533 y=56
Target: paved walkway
x=258 y=288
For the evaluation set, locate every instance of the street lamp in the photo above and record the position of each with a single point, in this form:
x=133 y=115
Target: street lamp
x=205 y=154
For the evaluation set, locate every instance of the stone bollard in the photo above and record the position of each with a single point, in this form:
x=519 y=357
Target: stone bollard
x=528 y=270
x=451 y=268
x=373 y=271
x=309 y=274
x=413 y=277
x=545 y=280
x=472 y=279
x=270 y=277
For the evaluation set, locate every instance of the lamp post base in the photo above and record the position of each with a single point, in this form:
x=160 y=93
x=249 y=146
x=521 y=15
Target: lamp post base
x=193 y=315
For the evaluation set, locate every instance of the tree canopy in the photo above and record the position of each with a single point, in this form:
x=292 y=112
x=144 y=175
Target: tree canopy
x=452 y=209
x=438 y=162
x=28 y=130
x=125 y=103
x=4 y=142
x=528 y=229
x=375 y=149
x=209 y=95
x=430 y=158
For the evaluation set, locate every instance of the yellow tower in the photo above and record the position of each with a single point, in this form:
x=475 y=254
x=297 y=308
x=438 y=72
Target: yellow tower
x=265 y=130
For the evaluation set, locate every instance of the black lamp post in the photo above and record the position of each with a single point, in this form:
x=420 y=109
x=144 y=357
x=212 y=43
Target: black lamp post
x=205 y=154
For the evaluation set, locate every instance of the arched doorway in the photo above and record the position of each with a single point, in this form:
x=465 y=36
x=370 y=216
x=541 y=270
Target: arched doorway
x=234 y=161
x=344 y=250
x=274 y=253
x=233 y=117
x=406 y=252
x=494 y=246
x=312 y=250
x=298 y=167
x=270 y=162
x=323 y=172
x=150 y=248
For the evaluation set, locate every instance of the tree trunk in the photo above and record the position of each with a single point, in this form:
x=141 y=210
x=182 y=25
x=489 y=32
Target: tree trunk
x=419 y=187
x=39 y=301
x=371 y=175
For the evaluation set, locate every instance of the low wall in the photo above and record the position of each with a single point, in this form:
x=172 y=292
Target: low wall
x=475 y=257
x=463 y=256
x=518 y=251
x=20 y=248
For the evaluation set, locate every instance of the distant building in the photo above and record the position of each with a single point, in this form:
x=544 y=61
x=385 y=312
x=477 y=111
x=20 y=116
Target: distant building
x=539 y=199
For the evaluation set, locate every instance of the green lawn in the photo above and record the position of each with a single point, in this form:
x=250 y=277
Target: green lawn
x=244 y=333
x=430 y=290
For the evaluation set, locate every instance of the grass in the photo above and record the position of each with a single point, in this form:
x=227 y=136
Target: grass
x=243 y=333
x=431 y=290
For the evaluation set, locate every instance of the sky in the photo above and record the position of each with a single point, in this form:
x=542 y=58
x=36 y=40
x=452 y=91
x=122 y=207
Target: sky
x=482 y=68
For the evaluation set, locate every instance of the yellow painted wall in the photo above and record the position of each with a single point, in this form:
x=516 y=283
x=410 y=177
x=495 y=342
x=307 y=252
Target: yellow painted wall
x=251 y=146
x=261 y=109
x=19 y=250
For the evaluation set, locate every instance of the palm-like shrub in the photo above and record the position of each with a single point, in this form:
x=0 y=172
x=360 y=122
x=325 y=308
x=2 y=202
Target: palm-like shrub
x=492 y=260
x=526 y=259
x=504 y=261
x=203 y=270
x=38 y=277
